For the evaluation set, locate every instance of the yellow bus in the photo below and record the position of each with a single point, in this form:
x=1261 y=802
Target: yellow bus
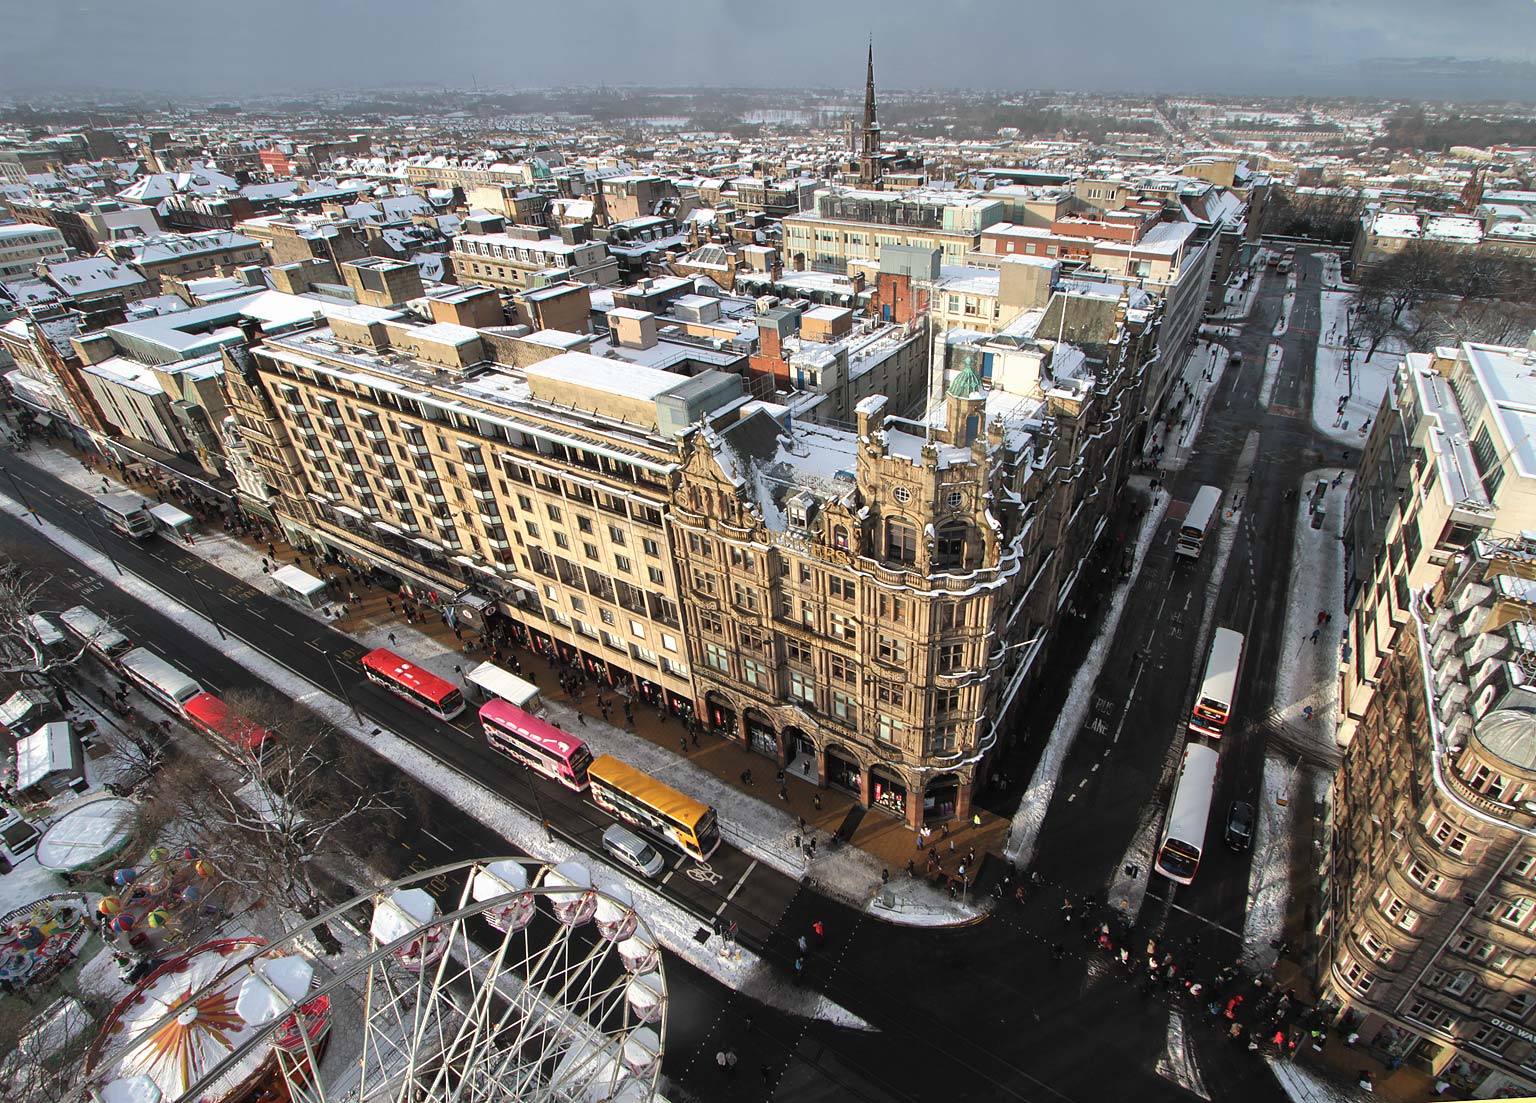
x=640 y=799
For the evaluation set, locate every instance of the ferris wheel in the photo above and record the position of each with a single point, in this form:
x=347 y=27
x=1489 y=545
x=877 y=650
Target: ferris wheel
x=480 y=981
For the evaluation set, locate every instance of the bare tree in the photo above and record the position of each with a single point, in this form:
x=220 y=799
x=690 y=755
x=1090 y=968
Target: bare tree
x=1490 y=321
x=44 y=1036
x=22 y=649
x=136 y=751
x=296 y=813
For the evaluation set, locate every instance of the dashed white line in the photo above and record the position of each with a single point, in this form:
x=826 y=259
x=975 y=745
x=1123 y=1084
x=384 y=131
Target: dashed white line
x=737 y=886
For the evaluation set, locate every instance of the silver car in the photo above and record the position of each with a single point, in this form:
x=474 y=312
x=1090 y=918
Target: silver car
x=633 y=851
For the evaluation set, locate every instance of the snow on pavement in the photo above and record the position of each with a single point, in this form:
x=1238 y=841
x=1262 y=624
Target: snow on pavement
x=1307 y=675
x=1024 y=832
x=1272 y=360
x=1304 y=1085
x=1371 y=378
x=1305 y=680
x=743 y=970
x=1202 y=375
x=1177 y=1062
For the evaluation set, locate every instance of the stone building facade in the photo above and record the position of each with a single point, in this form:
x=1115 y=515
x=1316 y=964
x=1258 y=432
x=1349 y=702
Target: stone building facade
x=543 y=489
x=1448 y=460
x=866 y=606
x=1429 y=926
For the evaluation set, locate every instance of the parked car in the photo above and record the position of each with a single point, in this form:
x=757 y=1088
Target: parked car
x=1240 y=825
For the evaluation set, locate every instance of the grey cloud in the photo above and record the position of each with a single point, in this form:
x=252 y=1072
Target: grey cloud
x=1317 y=47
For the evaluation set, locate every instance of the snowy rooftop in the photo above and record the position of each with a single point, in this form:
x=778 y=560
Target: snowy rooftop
x=93 y=274
x=1454 y=228
x=46 y=751
x=615 y=377
x=1167 y=238
x=1522 y=229
x=1448 y=442
x=964 y=280
x=1508 y=378
x=1395 y=225
x=125 y=373
x=166 y=247
x=190 y=330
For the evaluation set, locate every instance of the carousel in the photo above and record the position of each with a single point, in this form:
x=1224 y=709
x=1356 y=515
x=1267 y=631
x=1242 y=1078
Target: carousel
x=42 y=939
x=201 y=1026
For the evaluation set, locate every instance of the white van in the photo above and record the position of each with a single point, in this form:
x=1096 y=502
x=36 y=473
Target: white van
x=633 y=851
x=104 y=640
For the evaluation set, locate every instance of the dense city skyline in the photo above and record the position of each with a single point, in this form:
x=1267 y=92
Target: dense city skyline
x=1418 y=48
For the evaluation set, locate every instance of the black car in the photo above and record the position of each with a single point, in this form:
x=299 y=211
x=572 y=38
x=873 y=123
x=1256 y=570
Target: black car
x=1240 y=825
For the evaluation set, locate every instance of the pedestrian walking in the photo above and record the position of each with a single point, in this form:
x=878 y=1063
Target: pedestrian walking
x=767 y=1076
x=976 y=819
x=816 y=801
x=746 y=776
x=803 y=944
x=391 y=639
x=1315 y=633
x=799 y=969
x=820 y=932
x=682 y=745
x=885 y=875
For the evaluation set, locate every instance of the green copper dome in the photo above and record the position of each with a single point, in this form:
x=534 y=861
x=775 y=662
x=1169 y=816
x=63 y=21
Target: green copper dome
x=965 y=384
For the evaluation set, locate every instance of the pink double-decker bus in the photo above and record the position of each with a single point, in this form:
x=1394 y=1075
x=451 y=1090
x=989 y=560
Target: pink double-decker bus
x=536 y=743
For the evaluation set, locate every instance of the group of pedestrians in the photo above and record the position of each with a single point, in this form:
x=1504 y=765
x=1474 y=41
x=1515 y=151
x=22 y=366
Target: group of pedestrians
x=814 y=938
x=1251 y=1009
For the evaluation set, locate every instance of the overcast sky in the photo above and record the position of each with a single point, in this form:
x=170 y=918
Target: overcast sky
x=1279 y=47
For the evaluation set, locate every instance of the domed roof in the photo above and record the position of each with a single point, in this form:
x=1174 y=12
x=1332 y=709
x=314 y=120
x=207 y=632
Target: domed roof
x=966 y=384
x=1510 y=735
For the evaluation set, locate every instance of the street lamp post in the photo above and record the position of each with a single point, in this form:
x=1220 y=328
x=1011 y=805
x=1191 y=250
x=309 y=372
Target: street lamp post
x=203 y=604
x=22 y=498
x=101 y=545
x=345 y=696
x=538 y=805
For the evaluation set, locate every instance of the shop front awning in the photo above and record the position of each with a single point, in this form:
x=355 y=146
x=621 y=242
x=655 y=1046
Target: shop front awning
x=300 y=582
x=171 y=517
x=138 y=451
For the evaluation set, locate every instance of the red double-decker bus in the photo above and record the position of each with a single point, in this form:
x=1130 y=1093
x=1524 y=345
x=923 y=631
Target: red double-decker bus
x=420 y=687
x=211 y=716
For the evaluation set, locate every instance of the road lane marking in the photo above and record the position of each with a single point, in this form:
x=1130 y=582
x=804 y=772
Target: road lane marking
x=736 y=887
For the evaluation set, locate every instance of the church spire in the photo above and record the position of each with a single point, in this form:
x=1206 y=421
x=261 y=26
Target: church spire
x=869 y=150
